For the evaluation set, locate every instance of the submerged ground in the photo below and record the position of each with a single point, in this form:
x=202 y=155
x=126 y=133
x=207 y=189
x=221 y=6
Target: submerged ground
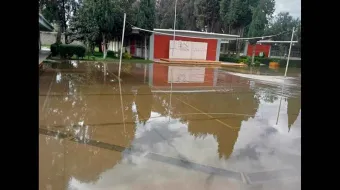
x=168 y=127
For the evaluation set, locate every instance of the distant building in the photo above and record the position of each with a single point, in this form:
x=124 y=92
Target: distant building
x=195 y=45
x=272 y=49
x=44 y=25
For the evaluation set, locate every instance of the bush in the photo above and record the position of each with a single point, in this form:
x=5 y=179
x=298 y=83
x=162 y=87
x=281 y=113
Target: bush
x=68 y=50
x=127 y=55
x=257 y=63
x=111 y=54
x=55 y=49
x=245 y=60
x=229 y=59
x=260 y=60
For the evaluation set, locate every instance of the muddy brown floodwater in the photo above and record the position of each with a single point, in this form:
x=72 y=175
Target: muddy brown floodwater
x=167 y=127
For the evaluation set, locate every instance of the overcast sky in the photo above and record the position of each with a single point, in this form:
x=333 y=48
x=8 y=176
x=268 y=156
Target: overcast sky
x=291 y=6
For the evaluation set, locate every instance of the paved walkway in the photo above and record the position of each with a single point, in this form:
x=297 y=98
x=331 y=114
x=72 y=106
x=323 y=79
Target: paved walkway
x=43 y=54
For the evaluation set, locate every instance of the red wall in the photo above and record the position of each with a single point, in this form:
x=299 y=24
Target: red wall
x=160 y=77
x=162 y=42
x=259 y=48
x=133 y=47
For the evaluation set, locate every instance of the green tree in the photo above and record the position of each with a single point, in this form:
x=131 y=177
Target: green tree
x=59 y=12
x=282 y=23
x=145 y=17
x=102 y=18
x=187 y=16
x=84 y=28
x=261 y=14
x=237 y=17
x=207 y=14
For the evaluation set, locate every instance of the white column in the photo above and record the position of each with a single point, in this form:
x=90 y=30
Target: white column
x=145 y=54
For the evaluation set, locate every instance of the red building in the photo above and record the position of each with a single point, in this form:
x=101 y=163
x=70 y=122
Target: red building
x=203 y=45
x=161 y=39
x=265 y=48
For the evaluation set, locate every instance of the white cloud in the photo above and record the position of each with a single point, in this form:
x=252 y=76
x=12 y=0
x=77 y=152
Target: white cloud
x=291 y=6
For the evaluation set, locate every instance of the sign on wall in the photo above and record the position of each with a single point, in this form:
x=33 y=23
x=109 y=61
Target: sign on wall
x=177 y=74
x=188 y=50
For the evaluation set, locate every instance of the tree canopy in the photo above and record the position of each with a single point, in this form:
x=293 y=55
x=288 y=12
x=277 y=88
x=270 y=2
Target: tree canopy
x=98 y=21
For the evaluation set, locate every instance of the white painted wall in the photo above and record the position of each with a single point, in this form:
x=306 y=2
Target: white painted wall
x=188 y=50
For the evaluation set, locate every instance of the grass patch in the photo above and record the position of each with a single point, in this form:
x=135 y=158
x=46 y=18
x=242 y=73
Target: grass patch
x=98 y=56
x=46 y=46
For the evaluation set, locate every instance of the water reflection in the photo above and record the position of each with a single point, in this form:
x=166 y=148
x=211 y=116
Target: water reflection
x=203 y=120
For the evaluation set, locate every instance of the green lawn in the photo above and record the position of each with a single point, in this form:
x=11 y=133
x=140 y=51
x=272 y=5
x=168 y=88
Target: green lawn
x=98 y=56
x=45 y=46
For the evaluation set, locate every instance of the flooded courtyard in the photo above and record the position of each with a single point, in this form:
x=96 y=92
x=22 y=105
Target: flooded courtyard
x=168 y=127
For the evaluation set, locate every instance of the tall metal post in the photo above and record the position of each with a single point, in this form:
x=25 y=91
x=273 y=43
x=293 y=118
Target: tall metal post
x=121 y=47
x=173 y=47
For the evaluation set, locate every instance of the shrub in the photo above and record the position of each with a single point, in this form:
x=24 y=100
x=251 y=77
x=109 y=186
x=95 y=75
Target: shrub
x=245 y=60
x=80 y=51
x=55 y=49
x=257 y=63
x=230 y=59
x=68 y=50
x=263 y=60
x=127 y=55
x=111 y=54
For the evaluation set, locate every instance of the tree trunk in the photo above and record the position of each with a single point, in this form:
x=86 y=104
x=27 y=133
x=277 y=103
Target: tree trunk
x=229 y=29
x=239 y=42
x=87 y=48
x=104 y=46
x=58 y=39
x=66 y=38
x=100 y=47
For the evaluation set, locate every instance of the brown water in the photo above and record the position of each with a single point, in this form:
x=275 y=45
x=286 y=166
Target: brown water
x=207 y=129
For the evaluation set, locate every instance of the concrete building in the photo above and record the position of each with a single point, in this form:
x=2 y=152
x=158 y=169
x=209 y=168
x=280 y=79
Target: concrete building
x=44 y=25
x=272 y=49
x=188 y=45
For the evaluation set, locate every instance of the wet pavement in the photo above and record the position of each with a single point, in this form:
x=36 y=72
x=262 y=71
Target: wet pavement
x=166 y=127
x=43 y=54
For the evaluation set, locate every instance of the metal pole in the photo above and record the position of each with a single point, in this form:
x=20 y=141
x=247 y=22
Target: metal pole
x=121 y=47
x=145 y=54
x=253 y=54
x=173 y=47
x=121 y=103
x=290 y=48
x=170 y=106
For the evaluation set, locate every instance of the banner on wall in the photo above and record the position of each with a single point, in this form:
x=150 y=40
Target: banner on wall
x=177 y=74
x=188 y=50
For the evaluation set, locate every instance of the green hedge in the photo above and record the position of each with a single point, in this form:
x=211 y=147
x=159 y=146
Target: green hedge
x=258 y=60
x=229 y=59
x=55 y=49
x=111 y=54
x=68 y=50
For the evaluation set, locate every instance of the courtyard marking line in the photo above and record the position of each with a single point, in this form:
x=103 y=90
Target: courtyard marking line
x=198 y=110
x=205 y=113
x=48 y=93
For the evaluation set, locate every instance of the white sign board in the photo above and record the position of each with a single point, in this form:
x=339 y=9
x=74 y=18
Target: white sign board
x=199 y=50
x=188 y=50
x=177 y=74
